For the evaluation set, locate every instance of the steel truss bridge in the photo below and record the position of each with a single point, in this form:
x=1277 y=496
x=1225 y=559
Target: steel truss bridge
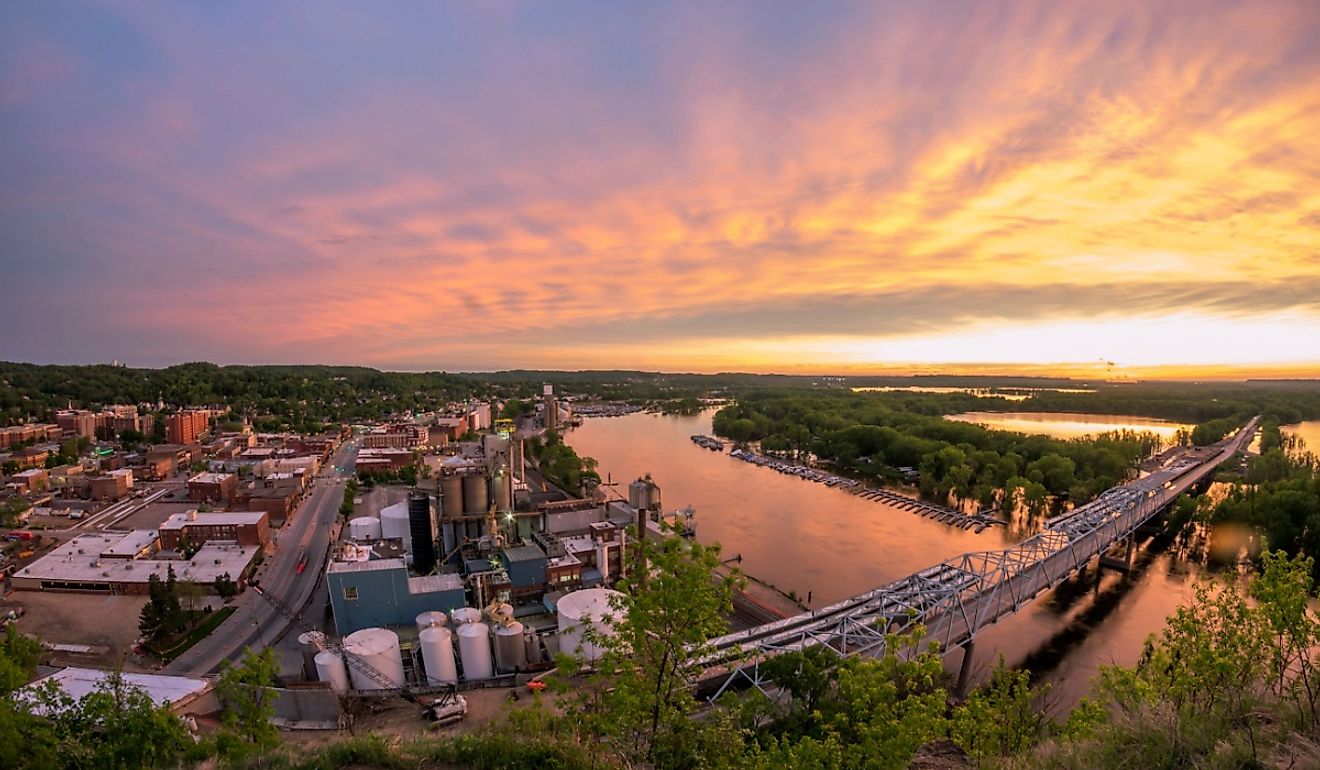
x=956 y=599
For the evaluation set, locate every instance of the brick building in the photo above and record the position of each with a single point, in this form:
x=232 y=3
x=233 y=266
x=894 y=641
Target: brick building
x=397 y=436
x=213 y=487
x=113 y=485
x=278 y=502
x=184 y=427
x=176 y=456
x=242 y=527
x=17 y=434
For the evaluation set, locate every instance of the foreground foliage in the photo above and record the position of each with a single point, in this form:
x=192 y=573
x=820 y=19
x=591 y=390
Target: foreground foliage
x=1233 y=680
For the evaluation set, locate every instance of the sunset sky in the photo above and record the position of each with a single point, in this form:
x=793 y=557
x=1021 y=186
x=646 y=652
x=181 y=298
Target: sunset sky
x=825 y=187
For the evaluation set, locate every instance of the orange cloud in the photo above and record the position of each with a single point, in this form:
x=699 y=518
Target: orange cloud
x=992 y=185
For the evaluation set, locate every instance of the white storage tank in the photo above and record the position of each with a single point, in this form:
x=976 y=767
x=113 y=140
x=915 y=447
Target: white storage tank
x=394 y=524
x=464 y=615
x=330 y=668
x=438 y=655
x=364 y=528
x=378 y=648
x=474 y=650
x=431 y=618
x=532 y=647
x=308 y=646
x=510 y=652
x=580 y=610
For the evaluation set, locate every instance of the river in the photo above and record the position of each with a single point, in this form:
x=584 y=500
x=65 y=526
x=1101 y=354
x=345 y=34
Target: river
x=1066 y=425
x=1309 y=432
x=806 y=537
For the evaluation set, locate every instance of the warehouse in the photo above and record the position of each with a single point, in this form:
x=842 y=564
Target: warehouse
x=109 y=563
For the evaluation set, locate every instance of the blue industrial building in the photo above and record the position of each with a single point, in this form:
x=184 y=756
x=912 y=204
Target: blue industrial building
x=525 y=565
x=379 y=592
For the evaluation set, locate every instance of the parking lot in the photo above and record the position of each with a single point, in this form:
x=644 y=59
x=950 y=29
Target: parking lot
x=107 y=623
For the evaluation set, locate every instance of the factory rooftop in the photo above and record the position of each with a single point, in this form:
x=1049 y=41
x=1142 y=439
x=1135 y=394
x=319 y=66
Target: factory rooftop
x=79 y=565
x=216 y=518
x=445 y=581
x=131 y=545
x=524 y=553
x=365 y=566
x=78 y=683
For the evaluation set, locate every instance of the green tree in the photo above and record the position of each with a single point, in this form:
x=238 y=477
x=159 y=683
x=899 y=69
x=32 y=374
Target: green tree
x=1001 y=717
x=152 y=618
x=19 y=656
x=245 y=690
x=116 y=726
x=11 y=509
x=641 y=702
x=224 y=586
x=130 y=438
x=1283 y=593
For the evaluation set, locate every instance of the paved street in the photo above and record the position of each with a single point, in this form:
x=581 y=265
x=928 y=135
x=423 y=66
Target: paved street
x=255 y=622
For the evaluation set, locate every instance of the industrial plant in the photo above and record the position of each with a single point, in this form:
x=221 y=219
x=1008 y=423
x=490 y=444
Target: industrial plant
x=482 y=573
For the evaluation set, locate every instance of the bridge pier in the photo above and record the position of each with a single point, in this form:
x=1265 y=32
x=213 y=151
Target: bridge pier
x=1124 y=564
x=965 y=670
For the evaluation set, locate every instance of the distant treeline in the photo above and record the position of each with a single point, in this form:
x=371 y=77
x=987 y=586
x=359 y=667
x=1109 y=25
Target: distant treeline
x=298 y=397
x=880 y=433
x=301 y=395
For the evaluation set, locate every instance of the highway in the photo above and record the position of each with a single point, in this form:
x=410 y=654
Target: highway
x=255 y=623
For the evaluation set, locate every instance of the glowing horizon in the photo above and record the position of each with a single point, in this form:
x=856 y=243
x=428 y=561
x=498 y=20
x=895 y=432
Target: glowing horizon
x=1126 y=191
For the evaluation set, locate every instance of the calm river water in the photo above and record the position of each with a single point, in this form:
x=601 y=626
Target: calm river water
x=1066 y=425
x=1306 y=431
x=806 y=537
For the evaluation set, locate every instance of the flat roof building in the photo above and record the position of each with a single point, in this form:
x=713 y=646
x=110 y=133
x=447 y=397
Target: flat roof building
x=113 y=485
x=93 y=563
x=379 y=592
x=183 y=695
x=246 y=528
x=136 y=544
x=213 y=487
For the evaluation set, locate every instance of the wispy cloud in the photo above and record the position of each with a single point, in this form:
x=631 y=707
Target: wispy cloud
x=460 y=187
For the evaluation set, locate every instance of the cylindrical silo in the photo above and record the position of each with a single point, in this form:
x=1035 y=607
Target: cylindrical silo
x=379 y=649
x=421 y=526
x=451 y=494
x=532 y=647
x=464 y=615
x=474 y=649
x=431 y=618
x=438 y=655
x=510 y=654
x=309 y=648
x=581 y=610
x=499 y=612
x=364 y=528
x=330 y=668
x=394 y=524
x=502 y=489
x=475 y=493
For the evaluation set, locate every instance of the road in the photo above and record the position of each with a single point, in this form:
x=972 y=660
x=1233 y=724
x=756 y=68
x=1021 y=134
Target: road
x=255 y=623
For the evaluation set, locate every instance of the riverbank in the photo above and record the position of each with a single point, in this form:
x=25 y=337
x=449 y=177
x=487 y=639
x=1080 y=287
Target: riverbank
x=820 y=540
